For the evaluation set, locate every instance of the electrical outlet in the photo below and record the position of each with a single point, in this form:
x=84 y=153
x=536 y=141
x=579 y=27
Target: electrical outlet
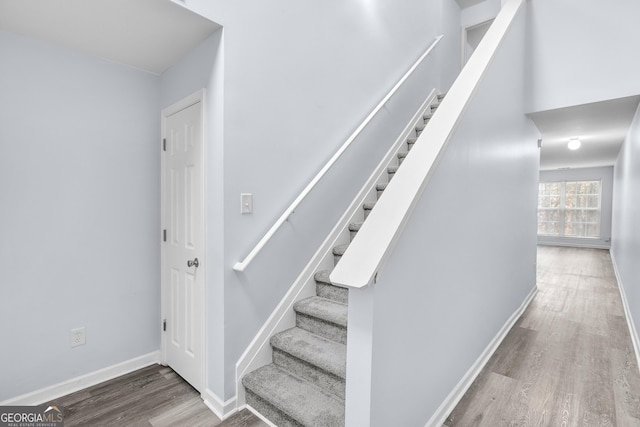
x=77 y=337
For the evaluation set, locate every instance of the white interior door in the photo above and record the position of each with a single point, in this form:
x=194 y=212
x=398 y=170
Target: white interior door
x=183 y=241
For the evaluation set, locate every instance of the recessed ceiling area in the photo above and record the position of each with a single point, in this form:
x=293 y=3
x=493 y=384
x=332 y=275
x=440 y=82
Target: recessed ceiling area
x=600 y=126
x=151 y=35
x=468 y=3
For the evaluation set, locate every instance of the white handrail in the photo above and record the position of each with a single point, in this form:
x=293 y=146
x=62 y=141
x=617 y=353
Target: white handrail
x=367 y=253
x=241 y=265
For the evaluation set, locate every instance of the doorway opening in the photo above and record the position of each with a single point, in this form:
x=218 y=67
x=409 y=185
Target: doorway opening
x=471 y=37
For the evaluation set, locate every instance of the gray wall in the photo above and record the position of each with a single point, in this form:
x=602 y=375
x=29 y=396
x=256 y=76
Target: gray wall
x=582 y=52
x=625 y=240
x=605 y=175
x=299 y=78
x=466 y=260
x=79 y=192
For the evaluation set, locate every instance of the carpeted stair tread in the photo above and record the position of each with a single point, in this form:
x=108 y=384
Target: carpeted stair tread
x=368 y=205
x=297 y=399
x=428 y=114
x=339 y=250
x=382 y=186
x=411 y=141
x=420 y=127
x=355 y=226
x=326 y=289
x=323 y=309
x=402 y=154
x=325 y=354
x=322 y=276
x=392 y=169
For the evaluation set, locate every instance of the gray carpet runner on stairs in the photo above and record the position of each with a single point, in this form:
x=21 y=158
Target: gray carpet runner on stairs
x=305 y=383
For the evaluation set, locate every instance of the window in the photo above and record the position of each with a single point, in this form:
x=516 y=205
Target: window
x=569 y=209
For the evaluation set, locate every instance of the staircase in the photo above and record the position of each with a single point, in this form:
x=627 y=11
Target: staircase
x=305 y=383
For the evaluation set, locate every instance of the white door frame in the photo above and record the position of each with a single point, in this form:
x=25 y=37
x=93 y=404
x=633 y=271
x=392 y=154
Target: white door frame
x=463 y=39
x=198 y=96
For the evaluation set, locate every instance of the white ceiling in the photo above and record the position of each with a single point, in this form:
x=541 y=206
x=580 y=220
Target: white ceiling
x=467 y=3
x=150 y=35
x=601 y=126
x=153 y=35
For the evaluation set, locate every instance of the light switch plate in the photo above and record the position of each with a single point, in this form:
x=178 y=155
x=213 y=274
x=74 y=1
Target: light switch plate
x=246 y=203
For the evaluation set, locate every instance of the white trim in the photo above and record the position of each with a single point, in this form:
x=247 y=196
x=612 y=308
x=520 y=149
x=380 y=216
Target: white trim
x=241 y=265
x=575 y=245
x=197 y=97
x=635 y=339
x=463 y=47
x=441 y=414
x=464 y=37
x=359 y=357
x=258 y=353
x=188 y=101
x=72 y=385
x=221 y=409
x=259 y=415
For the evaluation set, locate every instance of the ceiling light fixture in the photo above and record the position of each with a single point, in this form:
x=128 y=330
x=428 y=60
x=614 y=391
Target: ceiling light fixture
x=574 y=144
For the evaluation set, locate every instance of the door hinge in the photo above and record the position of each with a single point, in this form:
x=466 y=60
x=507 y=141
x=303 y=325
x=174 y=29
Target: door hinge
x=164 y=325
x=164 y=235
x=164 y=144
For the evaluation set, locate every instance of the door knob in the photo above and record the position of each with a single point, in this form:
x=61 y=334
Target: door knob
x=193 y=263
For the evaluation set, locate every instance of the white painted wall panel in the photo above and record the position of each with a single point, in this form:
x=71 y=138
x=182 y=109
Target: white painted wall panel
x=479 y=13
x=466 y=260
x=582 y=52
x=625 y=240
x=79 y=195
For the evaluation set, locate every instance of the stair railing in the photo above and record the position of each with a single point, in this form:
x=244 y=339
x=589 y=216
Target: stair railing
x=371 y=247
x=241 y=265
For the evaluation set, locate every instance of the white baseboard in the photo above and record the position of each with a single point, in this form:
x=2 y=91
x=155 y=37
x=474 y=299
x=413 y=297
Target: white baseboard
x=625 y=304
x=55 y=391
x=257 y=414
x=587 y=244
x=223 y=410
x=441 y=414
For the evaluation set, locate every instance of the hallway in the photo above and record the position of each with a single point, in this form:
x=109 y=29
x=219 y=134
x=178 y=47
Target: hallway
x=568 y=361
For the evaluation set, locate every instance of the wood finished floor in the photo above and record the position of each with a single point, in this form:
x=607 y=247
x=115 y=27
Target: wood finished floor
x=568 y=361
x=154 y=396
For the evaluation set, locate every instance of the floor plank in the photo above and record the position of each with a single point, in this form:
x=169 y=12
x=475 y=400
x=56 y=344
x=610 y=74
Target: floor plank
x=150 y=395
x=154 y=396
x=244 y=418
x=568 y=361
